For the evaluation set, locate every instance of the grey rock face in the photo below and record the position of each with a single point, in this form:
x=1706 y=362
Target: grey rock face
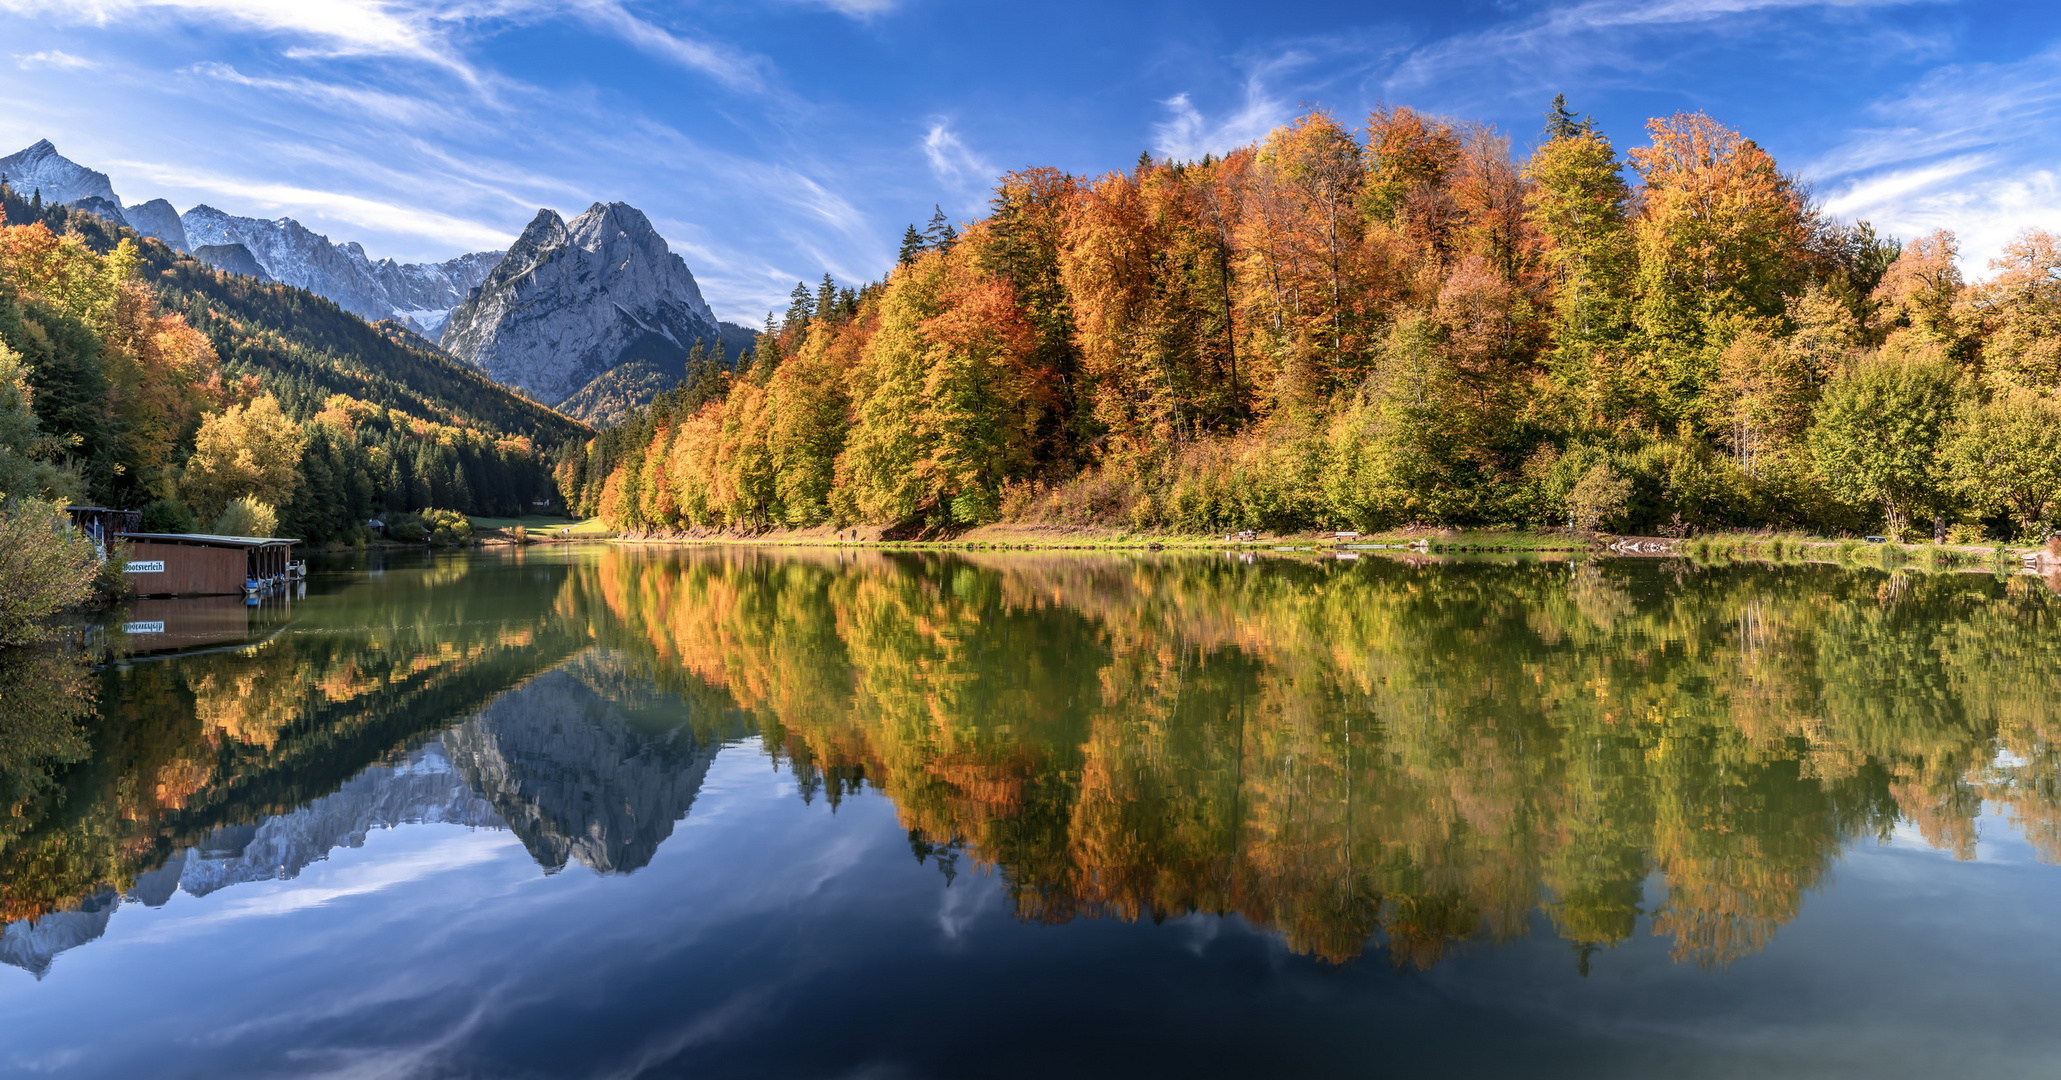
x=234 y=258
x=418 y=295
x=157 y=218
x=424 y=788
x=586 y=764
x=61 y=180
x=576 y=777
x=94 y=204
x=31 y=944
x=572 y=300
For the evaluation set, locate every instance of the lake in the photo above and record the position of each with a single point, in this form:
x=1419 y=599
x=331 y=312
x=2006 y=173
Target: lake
x=618 y=811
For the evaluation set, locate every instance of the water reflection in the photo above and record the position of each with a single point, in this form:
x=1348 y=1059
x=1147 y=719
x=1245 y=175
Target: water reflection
x=1361 y=753
x=1380 y=752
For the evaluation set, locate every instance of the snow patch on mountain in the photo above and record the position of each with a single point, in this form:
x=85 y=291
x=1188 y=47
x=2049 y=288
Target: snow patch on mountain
x=418 y=295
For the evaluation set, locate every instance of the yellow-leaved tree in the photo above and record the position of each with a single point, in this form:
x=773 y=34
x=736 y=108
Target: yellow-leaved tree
x=244 y=450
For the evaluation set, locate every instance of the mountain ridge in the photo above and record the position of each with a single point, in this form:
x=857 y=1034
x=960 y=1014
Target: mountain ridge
x=592 y=316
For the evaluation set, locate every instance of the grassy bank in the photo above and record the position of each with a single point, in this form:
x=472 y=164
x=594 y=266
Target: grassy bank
x=1797 y=547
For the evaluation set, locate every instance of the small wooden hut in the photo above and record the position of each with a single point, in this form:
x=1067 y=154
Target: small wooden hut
x=194 y=564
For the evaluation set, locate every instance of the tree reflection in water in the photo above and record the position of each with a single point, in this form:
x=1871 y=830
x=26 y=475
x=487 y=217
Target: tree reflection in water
x=1378 y=752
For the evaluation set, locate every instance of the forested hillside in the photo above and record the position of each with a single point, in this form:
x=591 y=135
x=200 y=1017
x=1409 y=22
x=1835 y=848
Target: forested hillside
x=1404 y=323
x=157 y=381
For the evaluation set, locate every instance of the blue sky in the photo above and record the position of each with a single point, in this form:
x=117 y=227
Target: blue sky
x=774 y=140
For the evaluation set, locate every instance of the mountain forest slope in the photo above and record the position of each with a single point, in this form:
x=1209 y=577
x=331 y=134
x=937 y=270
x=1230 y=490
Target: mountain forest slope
x=369 y=417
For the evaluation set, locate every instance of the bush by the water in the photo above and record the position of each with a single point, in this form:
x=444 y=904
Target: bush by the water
x=48 y=567
x=447 y=527
x=439 y=527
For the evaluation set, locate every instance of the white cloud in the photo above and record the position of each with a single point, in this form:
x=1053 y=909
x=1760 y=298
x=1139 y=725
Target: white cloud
x=857 y=9
x=1967 y=147
x=736 y=70
x=950 y=160
x=956 y=166
x=54 y=58
x=1549 y=48
x=1186 y=136
x=251 y=197
x=420 y=30
x=357 y=102
x=336 y=27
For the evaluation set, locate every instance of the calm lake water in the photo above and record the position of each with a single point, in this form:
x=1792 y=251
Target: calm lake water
x=617 y=812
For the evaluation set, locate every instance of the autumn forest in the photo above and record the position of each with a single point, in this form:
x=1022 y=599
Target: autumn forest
x=1410 y=322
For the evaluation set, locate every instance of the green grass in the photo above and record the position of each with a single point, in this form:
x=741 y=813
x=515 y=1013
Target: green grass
x=532 y=522
x=593 y=527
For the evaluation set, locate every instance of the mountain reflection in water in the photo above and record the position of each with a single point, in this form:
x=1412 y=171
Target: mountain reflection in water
x=1379 y=753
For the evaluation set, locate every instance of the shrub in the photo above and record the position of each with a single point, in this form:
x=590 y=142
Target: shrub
x=1966 y=533
x=1598 y=498
x=406 y=528
x=247 y=516
x=447 y=527
x=48 y=567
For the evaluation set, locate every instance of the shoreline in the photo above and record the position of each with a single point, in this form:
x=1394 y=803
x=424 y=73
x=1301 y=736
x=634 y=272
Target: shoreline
x=1775 y=548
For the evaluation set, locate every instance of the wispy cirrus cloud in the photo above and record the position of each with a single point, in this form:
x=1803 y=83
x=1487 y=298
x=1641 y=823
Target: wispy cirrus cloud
x=431 y=32
x=246 y=197
x=731 y=67
x=1967 y=147
x=1598 y=35
x=340 y=28
x=56 y=58
x=955 y=165
x=857 y=9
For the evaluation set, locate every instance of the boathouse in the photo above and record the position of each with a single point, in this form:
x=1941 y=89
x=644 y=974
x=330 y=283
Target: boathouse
x=194 y=564
x=103 y=524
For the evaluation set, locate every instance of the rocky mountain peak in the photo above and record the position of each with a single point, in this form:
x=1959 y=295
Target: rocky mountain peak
x=573 y=300
x=60 y=179
x=157 y=218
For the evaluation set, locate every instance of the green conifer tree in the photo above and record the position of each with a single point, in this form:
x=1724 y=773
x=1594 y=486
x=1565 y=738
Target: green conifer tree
x=826 y=300
x=1561 y=122
x=801 y=307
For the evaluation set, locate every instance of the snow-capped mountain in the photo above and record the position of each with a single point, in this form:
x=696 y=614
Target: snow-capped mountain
x=572 y=300
x=593 y=315
x=419 y=295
